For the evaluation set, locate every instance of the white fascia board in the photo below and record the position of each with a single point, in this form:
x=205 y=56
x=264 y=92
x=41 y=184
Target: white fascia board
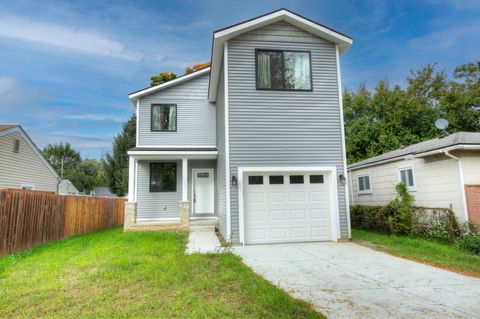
x=220 y=37
x=32 y=145
x=156 y=88
x=159 y=155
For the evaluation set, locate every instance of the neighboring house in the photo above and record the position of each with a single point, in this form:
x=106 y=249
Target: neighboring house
x=22 y=165
x=102 y=191
x=255 y=140
x=442 y=172
x=65 y=187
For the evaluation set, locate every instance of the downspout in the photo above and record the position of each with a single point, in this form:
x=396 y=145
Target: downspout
x=462 y=182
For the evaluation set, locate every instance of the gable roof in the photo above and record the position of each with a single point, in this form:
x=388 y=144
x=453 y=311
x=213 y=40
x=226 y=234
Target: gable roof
x=162 y=86
x=221 y=36
x=458 y=140
x=8 y=129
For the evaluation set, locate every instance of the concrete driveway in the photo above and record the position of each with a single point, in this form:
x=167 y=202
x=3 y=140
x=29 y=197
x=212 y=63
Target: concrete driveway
x=346 y=280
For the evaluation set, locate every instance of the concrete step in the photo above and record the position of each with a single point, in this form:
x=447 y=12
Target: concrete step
x=202 y=228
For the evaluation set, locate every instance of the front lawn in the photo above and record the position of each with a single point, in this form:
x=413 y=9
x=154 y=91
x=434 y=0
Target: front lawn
x=113 y=274
x=426 y=251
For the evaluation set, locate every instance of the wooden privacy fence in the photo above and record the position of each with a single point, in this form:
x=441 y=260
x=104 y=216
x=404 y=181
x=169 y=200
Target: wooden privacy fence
x=31 y=218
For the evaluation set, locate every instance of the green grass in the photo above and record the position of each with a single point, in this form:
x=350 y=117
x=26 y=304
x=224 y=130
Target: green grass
x=426 y=251
x=112 y=274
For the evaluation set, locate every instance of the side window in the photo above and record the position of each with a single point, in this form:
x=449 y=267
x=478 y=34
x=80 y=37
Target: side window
x=407 y=177
x=363 y=184
x=164 y=117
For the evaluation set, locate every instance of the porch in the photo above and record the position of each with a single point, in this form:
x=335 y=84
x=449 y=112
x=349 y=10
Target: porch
x=171 y=189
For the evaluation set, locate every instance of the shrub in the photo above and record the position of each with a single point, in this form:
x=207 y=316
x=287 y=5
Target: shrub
x=470 y=242
x=368 y=218
x=399 y=213
x=436 y=223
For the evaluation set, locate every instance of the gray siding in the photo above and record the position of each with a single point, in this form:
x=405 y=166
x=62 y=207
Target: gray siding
x=24 y=167
x=150 y=206
x=221 y=170
x=284 y=128
x=195 y=115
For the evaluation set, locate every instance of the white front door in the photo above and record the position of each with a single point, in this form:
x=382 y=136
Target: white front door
x=203 y=191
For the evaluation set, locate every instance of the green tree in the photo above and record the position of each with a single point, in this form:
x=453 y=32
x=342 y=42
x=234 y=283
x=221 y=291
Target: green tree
x=84 y=174
x=116 y=164
x=54 y=153
x=161 y=78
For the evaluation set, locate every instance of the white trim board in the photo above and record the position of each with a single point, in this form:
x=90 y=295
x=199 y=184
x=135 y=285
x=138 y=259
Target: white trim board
x=162 y=86
x=334 y=208
x=227 y=146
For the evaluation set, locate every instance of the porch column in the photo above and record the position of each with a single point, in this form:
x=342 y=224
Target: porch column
x=131 y=178
x=184 y=179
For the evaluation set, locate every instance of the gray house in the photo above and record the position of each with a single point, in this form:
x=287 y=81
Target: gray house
x=255 y=142
x=22 y=165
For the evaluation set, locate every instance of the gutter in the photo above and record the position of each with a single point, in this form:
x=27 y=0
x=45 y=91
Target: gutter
x=462 y=182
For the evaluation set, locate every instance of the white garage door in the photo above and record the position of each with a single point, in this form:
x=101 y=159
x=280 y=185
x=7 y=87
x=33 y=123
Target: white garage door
x=287 y=207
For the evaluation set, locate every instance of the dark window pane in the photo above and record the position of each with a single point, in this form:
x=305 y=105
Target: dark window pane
x=202 y=175
x=278 y=179
x=367 y=182
x=403 y=177
x=163 y=177
x=411 y=183
x=269 y=70
x=297 y=70
x=164 y=117
x=255 y=180
x=316 y=179
x=296 y=179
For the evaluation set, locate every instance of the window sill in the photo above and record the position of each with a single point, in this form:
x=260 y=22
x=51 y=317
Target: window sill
x=365 y=193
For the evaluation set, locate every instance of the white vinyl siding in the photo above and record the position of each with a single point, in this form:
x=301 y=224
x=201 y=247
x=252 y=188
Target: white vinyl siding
x=24 y=167
x=437 y=183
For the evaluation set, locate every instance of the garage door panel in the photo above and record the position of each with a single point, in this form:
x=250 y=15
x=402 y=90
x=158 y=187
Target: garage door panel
x=297 y=196
x=287 y=212
x=277 y=197
x=298 y=214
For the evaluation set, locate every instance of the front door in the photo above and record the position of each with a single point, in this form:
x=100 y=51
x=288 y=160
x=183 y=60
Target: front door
x=203 y=191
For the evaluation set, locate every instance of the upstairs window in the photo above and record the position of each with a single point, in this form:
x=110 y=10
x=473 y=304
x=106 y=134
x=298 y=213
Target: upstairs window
x=407 y=177
x=283 y=70
x=164 y=117
x=163 y=177
x=363 y=182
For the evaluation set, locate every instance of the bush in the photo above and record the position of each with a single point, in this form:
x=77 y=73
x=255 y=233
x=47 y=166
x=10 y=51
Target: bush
x=436 y=223
x=399 y=213
x=470 y=242
x=368 y=218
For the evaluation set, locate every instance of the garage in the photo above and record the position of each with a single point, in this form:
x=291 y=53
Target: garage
x=287 y=207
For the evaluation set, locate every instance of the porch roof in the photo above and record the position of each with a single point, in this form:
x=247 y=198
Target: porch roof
x=155 y=153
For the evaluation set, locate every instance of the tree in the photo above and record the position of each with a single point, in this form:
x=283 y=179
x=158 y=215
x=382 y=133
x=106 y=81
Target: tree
x=54 y=153
x=116 y=164
x=391 y=117
x=161 y=78
x=84 y=175
x=196 y=67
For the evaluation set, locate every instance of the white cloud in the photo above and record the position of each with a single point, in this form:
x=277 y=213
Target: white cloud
x=85 y=41
x=6 y=85
x=96 y=117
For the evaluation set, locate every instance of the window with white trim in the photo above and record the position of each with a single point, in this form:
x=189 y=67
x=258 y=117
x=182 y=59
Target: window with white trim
x=363 y=184
x=407 y=176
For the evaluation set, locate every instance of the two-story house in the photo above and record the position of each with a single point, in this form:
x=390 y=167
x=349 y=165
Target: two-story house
x=255 y=141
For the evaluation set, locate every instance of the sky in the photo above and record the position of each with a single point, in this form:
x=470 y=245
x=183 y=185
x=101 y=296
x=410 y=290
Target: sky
x=66 y=68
